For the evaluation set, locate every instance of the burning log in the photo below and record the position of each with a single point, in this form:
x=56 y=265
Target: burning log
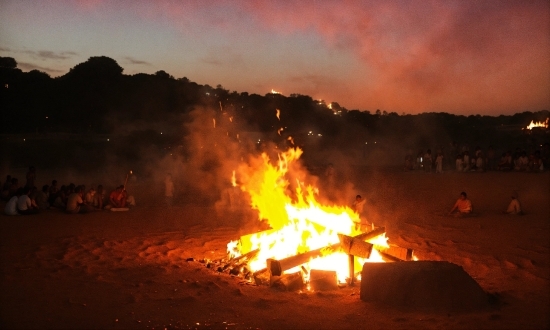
x=288 y=282
x=361 y=249
x=395 y=253
x=371 y=234
x=323 y=280
x=262 y=277
x=277 y=267
x=355 y=247
x=244 y=258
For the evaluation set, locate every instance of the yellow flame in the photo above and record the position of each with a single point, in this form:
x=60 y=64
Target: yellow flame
x=233 y=180
x=298 y=221
x=291 y=140
x=278 y=114
x=280 y=130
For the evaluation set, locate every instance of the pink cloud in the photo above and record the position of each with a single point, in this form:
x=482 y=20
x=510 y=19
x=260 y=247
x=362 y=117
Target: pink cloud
x=429 y=55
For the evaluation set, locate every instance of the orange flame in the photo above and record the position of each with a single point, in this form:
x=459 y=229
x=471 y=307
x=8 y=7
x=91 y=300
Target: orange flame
x=533 y=124
x=299 y=223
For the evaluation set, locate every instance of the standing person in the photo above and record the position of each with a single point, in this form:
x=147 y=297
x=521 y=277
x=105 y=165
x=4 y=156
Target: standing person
x=31 y=177
x=24 y=203
x=463 y=205
x=439 y=162
x=427 y=160
x=466 y=162
x=169 y=190
x=359 y=206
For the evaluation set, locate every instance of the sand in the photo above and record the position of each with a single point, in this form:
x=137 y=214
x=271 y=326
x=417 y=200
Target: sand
x=121 y=270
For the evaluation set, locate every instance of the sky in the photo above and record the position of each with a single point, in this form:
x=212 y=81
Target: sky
x=413 y=56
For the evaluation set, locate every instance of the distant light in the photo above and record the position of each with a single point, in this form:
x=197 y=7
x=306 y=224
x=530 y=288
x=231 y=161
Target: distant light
x=366 y=143
x=207 y=93
x=160 y=132
x=46 y=117
x=319 y=134
x=108 y=140
x=24 y=140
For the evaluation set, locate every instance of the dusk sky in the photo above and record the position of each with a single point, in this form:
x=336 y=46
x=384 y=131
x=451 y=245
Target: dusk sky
x=462 y=57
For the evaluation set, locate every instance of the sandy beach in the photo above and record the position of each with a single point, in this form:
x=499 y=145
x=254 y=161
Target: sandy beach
x=121 y=270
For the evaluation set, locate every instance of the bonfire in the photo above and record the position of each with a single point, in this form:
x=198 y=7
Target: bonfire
x=305 y=237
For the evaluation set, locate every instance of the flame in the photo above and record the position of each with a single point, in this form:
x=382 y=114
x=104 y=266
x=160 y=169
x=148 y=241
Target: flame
x=533 y=124
x=233 y=180
x=214 y=121
x=278 y=114
x=298 y=221
x=280 y=130
x=274 y=91
x=291 y=140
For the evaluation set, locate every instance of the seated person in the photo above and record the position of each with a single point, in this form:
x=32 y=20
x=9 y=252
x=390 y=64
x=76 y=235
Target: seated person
x=25 y=205
x=99 y=198
x=505 y=163
x=463 y=205
x=60 y=199
x=522 y=162
x=117 y=198
x=75 y=204
x=42 y=198
x=514 y=206
x=11 y=205
x=89 y=197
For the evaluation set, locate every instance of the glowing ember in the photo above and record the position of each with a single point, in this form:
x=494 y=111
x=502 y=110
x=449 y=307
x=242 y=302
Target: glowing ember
x=543 y=124
x=278 y=114
x=299 y=223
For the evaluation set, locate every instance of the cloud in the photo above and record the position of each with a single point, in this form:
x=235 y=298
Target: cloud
x=31 y=66
x=428 y=55
x=49 y=55
x=132 y=60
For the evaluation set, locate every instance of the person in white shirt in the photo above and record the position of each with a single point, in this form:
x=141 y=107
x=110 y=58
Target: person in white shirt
x=24 y=203
x=11 y=205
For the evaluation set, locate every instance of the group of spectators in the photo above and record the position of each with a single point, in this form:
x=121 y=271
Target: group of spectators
x=71 y=198
x=480 y=161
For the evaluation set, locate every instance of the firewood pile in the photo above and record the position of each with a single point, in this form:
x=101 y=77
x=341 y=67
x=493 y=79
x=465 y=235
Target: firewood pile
x=274 y=274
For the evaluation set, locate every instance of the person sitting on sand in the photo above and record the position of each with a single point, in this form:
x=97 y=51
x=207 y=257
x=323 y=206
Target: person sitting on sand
x=41 y=198
x=52 y=192
x=463 y=205
x=514 y=206
x=25 y=205
x=75 y=204
x=60 y=200
x=116 y=198
x=99 y=197
x=89 y=197
x=11 y=205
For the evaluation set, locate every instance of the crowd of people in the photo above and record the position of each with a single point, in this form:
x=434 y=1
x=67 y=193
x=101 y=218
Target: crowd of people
x=71 y=198
x=462 y=160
